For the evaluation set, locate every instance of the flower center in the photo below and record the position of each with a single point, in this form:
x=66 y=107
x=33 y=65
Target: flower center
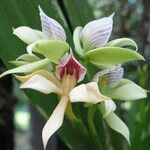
x=71 y=68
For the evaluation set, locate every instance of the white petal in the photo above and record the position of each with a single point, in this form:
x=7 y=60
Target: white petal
x=107 y=107
x=54 y=122
x=79 y=94
x=41 y=84
x=51 y=28
x=28 y=35
x=88 y=93
x=96 y=33
x=118 y=125
x=126 y=90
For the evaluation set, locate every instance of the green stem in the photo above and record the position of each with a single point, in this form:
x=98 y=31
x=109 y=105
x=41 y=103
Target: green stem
x=76 y=123
x=90 y=115
x=107 y=141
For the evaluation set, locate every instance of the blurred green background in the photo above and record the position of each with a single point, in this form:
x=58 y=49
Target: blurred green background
x=20 y=122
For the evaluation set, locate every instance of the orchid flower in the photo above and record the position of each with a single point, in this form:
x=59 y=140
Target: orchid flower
x=68 y=73
x=91 y=43
x=112 y=85
x=52 y=38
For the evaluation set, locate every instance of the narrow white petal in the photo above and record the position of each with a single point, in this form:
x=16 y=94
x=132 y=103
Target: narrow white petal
x=118 y=125
x=54 y=122
x=88 y=93
x=41 y=84
x=96 y=33
x=51 y=28
x=28 y=35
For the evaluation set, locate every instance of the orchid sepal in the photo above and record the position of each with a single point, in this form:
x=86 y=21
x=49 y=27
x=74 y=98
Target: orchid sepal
x=122 y=42
x=27 y=68
x=77 y=41
x=51 y=28
x=27 y=34
x=109 y=56
x=96 y=33
x=126 y=90
x=51 y=49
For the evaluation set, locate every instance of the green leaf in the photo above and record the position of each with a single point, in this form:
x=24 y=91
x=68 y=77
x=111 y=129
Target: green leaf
x=51 y=49
x=27 y=68
x=121 y=42
x=80 y=12
x=107 y=56
x=126 y=90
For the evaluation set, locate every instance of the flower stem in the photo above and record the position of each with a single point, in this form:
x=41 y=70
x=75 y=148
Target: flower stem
x=76 y=123
x=90 y=115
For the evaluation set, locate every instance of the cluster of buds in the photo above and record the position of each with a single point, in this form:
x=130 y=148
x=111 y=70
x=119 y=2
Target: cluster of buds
x=56 y=70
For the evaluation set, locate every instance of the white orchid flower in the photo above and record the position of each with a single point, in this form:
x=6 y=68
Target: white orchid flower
x=49 y=42
x=91 y=43
x=68 y=73
x=51 y=30
x=113 y=85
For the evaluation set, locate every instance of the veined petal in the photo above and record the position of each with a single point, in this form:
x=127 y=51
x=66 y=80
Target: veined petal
x=109 y=77
x=55 y=121
x=69 y=65
x=126 y=90
x=47 y=75
x=28 y=68
x=88 y=93
x=118 y=125
x=27 y=34
x=41 y=84
x=107 y=107
x=51 y=28
x=96 y=33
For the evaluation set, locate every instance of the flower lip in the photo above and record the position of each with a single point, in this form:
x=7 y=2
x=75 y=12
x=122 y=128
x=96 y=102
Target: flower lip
x=70 y=66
